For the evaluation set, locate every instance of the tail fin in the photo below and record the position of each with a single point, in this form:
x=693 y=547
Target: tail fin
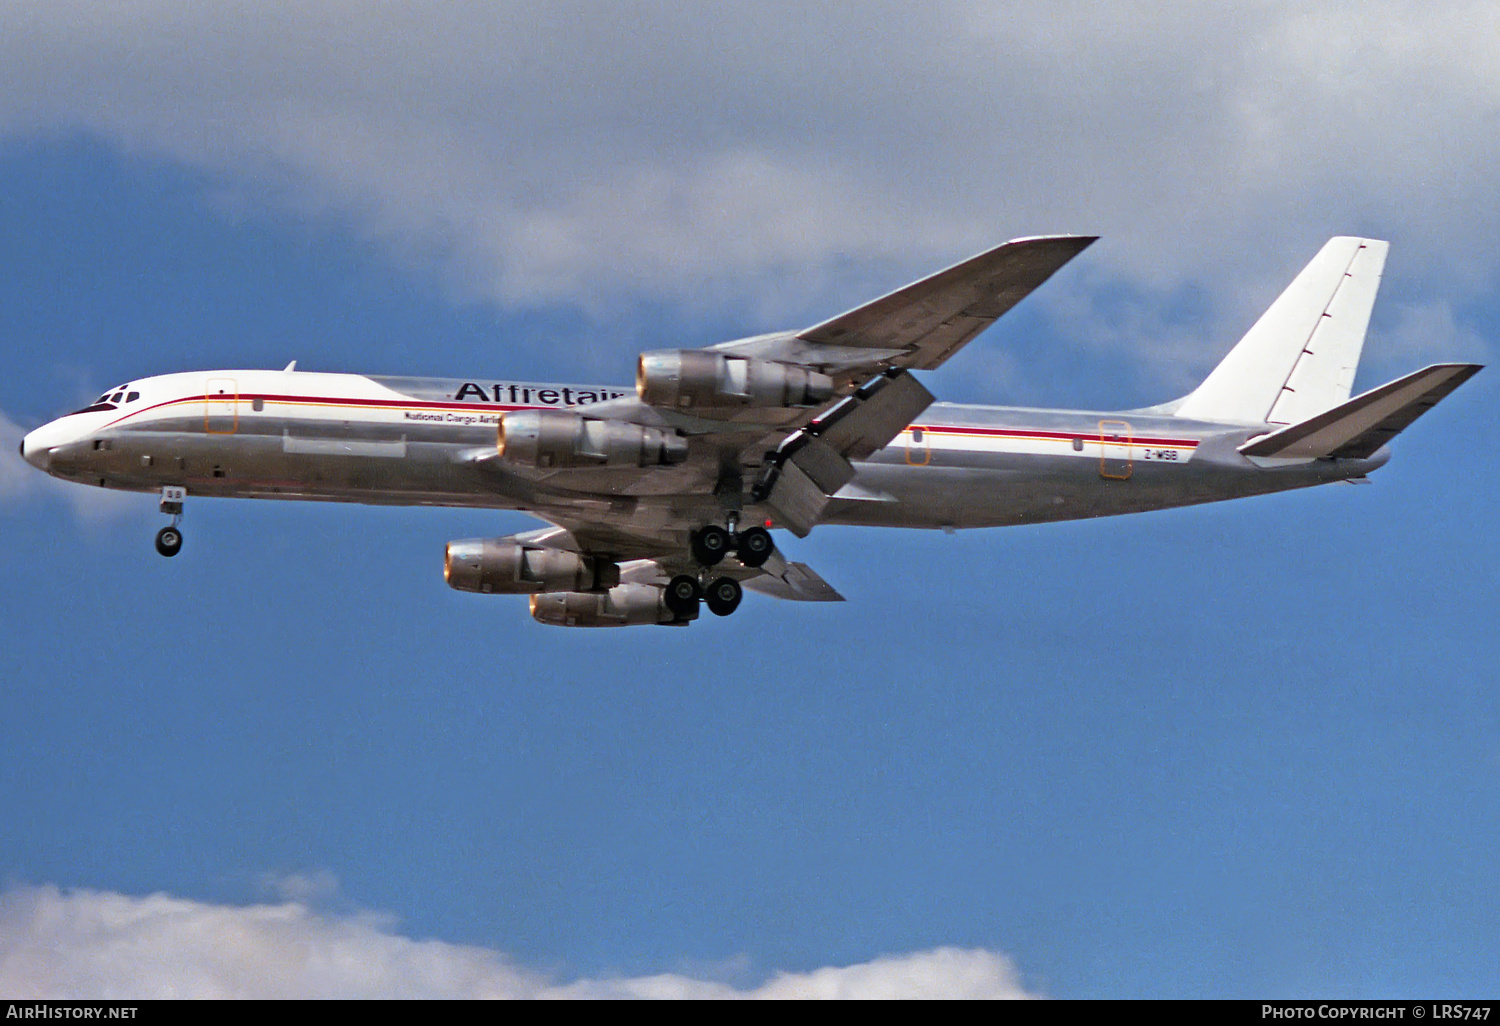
x=1359 y=427
x=1300 y=357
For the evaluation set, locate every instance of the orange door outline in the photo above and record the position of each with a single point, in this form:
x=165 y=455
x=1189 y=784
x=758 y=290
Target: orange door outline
x=918 y=447
x=1116 y=450
x=221 y=406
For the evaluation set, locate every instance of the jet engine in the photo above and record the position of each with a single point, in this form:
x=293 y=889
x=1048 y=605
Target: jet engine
x=556 y=439
x=625 y=606
x=696 y=379
x=510 y=568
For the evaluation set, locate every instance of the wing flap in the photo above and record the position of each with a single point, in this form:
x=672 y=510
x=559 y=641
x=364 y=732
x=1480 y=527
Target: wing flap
x=1358 y=428
x=814 y=462
x=866 y=422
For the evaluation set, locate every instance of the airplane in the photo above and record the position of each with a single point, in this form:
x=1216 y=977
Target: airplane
x=661 y=499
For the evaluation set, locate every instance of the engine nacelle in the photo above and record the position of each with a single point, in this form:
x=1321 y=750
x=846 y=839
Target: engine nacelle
x=699 y=379
x=557 y=439
x=505 y=567
x=628 y=605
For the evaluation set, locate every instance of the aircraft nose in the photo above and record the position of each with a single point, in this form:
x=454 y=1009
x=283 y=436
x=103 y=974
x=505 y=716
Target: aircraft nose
x=34 y=454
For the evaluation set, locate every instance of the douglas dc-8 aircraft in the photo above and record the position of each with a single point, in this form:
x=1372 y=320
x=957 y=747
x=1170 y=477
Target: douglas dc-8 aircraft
x=662 y=497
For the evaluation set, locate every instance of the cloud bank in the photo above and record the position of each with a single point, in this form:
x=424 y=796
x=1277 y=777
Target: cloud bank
x=567 y=151
x=101 y=945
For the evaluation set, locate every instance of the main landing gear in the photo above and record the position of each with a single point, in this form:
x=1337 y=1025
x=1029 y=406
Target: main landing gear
x=709 y=546
x=712 y=543
x=722 y=596
x=169 y=538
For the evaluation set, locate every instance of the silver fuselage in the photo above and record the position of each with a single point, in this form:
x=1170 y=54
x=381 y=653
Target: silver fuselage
x=418 y=441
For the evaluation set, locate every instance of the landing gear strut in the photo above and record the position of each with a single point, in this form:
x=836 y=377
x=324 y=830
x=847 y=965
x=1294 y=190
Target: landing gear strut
x=169 y=539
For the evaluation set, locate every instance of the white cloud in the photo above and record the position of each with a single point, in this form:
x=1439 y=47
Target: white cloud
x=97 y=944
x=570 y=151
x=17 y=480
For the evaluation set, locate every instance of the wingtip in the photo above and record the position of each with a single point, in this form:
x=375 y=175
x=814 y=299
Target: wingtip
x=1082 y=241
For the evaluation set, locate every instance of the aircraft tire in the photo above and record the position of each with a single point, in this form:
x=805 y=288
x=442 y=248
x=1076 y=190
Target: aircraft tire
x=169 y=541
x=724 y=596
x=754 y=546
x=682 y=596
x=710 y=545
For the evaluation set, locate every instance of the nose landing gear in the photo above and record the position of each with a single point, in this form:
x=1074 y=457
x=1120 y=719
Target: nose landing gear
x=168 y=541
x=169 y=538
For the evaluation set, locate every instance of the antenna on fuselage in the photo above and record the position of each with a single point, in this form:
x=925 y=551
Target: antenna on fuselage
x=289 y=367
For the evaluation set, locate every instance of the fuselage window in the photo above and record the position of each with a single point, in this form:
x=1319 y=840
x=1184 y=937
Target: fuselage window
x=1078 y=445
x=916 y=434
x=257 y=405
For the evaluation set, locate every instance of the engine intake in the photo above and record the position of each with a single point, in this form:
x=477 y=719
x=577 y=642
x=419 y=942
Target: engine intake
x=499 y=565
x=556 y=439
x=628 y=605
x=698 y=379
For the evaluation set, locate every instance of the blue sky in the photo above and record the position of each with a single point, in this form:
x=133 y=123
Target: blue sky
x=1238 y=750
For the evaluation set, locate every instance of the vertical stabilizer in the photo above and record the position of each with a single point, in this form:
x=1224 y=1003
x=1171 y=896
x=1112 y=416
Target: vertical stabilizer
x=1300 y=357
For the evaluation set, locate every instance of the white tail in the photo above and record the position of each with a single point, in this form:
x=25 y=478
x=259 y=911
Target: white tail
x=1300 y=357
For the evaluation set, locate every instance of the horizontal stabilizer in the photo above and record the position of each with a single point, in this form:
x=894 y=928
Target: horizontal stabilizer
x=1359 y=427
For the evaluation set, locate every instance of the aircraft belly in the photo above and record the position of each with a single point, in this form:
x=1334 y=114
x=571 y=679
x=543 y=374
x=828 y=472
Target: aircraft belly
x=995 y=490
x=347 y=463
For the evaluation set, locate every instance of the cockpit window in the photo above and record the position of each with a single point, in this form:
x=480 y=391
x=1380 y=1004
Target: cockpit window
x=118 y=396
x=102 y=399
x=132 y=397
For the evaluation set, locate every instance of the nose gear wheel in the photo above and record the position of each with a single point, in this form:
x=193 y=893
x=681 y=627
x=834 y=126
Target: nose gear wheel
x=169 y=541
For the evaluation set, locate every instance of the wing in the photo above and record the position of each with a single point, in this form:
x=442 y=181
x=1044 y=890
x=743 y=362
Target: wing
x=929 y=320
x=919 y=326
x=861 y=352
x=772 y=424
x=777 y=577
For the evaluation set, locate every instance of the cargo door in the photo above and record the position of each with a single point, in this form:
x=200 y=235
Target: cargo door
x=221 y=406
x=918 y=446
x=1116 y=450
